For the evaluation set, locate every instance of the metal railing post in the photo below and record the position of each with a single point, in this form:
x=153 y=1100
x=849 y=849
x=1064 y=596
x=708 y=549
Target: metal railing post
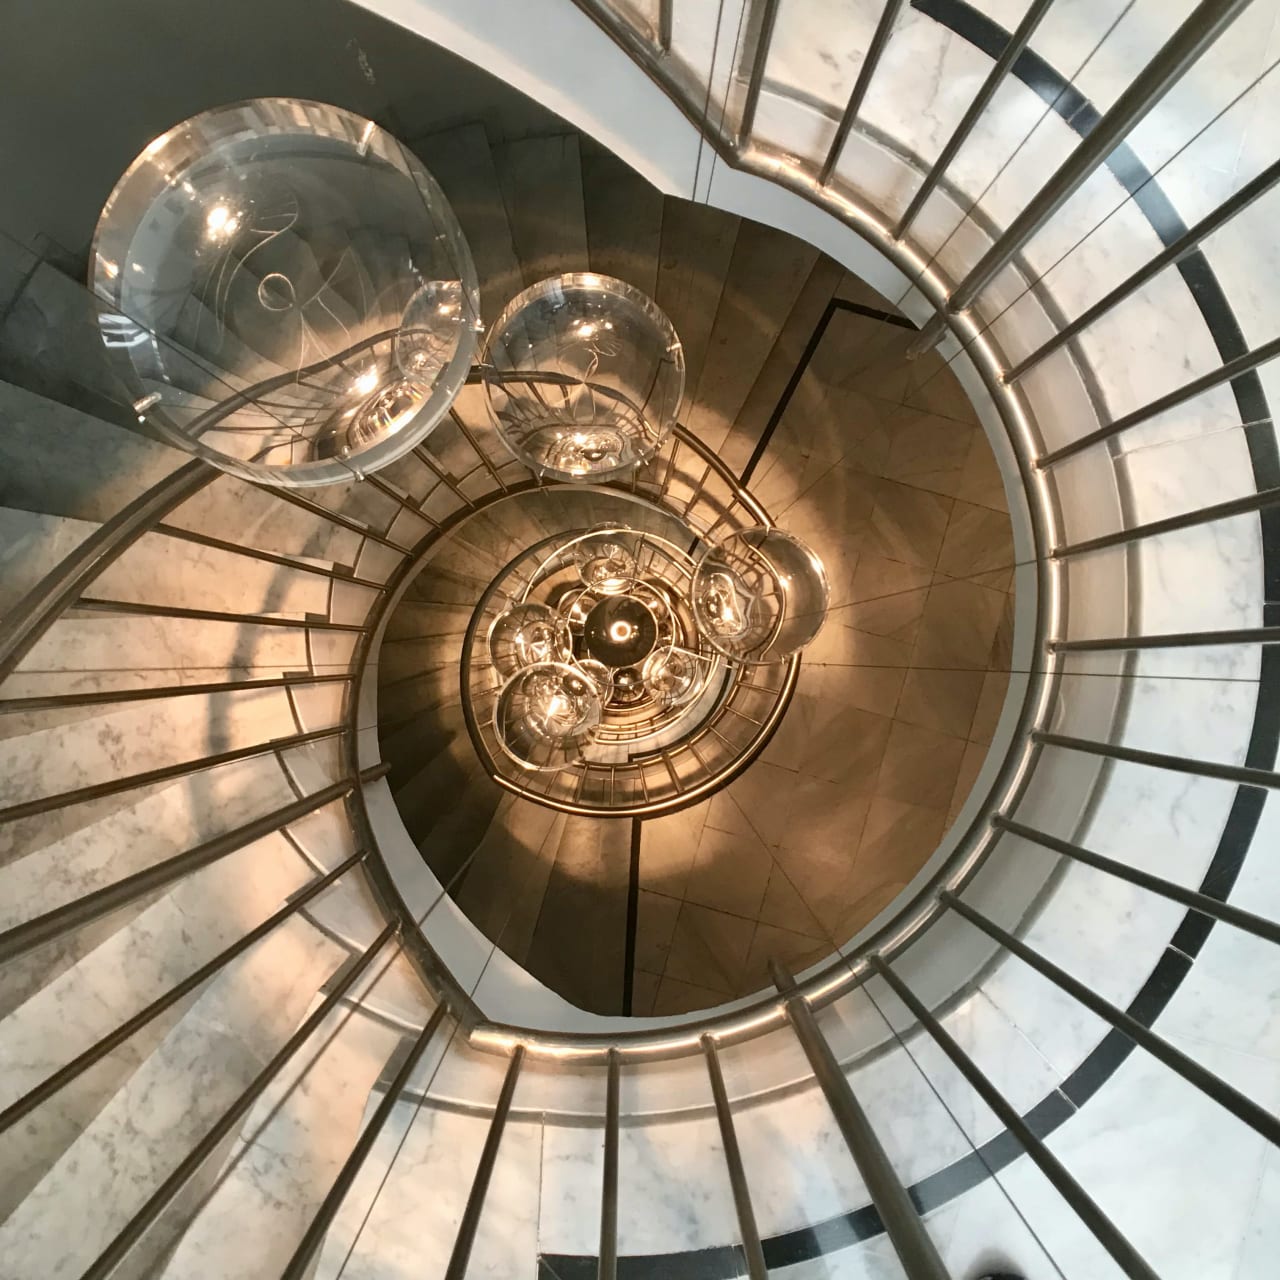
x=1179 y=53
x=759 y=59
x=107 y=1261
x=607 y=1267
x=296 y=1269
x=92 y=906
x=1215 y=908
x=461 y=1256
x=751 y=1246
x=1227 y=1096
x=1242 y=773
x=1131 y=1262
x=1175 y=252
x=666 y=24
x=870 y=60
x=99 y=1050
x=1018 y=41
x=1245 y=363
x=906 y=1231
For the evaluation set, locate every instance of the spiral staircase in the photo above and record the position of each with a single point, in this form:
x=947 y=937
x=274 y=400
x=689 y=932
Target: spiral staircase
x=275 y=997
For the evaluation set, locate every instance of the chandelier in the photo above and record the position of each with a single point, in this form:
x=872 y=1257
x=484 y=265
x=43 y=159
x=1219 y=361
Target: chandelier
x=620 y=640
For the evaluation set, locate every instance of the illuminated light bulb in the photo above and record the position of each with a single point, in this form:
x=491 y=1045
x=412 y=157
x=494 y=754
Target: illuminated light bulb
x=221 y=222
x=543 y=711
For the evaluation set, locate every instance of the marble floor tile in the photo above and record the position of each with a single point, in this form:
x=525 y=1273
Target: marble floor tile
x=907 y=524
x=974 y=754
x=731 y=871
x=644 y=991
x=869 y=688
x=825 y=816
x=995 y=685
x=824 y=880
x=709 y=948
x=784 y=908
x=1001 y=655
x=846 y=745
x=655 y=924
x=946 y=701
x=977 y=540
x=896 y=840
x=887 y=597
x=668 y=846
x=959 y=626
x=920 y=766
x=927 y=451
x=674 y=996
x=795 y=951
x=756 y=803
x=980 y=479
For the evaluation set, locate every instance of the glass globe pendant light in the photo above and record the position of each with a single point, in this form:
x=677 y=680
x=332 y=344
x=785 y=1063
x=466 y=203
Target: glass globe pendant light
x=760 y=595
x=285 y=291
x=584 y=377
x=528 y=634
x=543 y=712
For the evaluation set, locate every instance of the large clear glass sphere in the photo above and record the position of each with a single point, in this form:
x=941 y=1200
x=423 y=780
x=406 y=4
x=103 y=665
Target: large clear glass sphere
x=543 y=712
x=584 y=378
x=527 y=634
x=286 y=291
x=760 y=595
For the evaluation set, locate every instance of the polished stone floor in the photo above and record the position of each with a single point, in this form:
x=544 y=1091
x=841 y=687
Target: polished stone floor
x=879 y=463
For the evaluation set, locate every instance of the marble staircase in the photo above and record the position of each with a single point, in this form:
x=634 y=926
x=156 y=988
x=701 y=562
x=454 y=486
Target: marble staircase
x=244 y=585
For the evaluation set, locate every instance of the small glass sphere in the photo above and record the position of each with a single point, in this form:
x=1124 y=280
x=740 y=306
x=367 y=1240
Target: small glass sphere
x=285 y=291
x=599 y=675
x=527 y=634
x=606 y=566
x=586 y=376
x=628 y=686
x=761 y=595
x=673 y=676
x=543 y=711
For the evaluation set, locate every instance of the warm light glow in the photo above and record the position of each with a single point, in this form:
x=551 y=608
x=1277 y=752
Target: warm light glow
x=221 y=222
x=366 y=382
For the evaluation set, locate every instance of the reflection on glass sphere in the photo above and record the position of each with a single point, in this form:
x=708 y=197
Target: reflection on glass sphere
x=606 y=566
x=628 y=686
x=761 y=595
x=586 y=376
x=620 y=631
x=527 y=634
x=543 y=711
x=599 y=675
x=429 y=330
x=673 y=676
x=287 y=291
